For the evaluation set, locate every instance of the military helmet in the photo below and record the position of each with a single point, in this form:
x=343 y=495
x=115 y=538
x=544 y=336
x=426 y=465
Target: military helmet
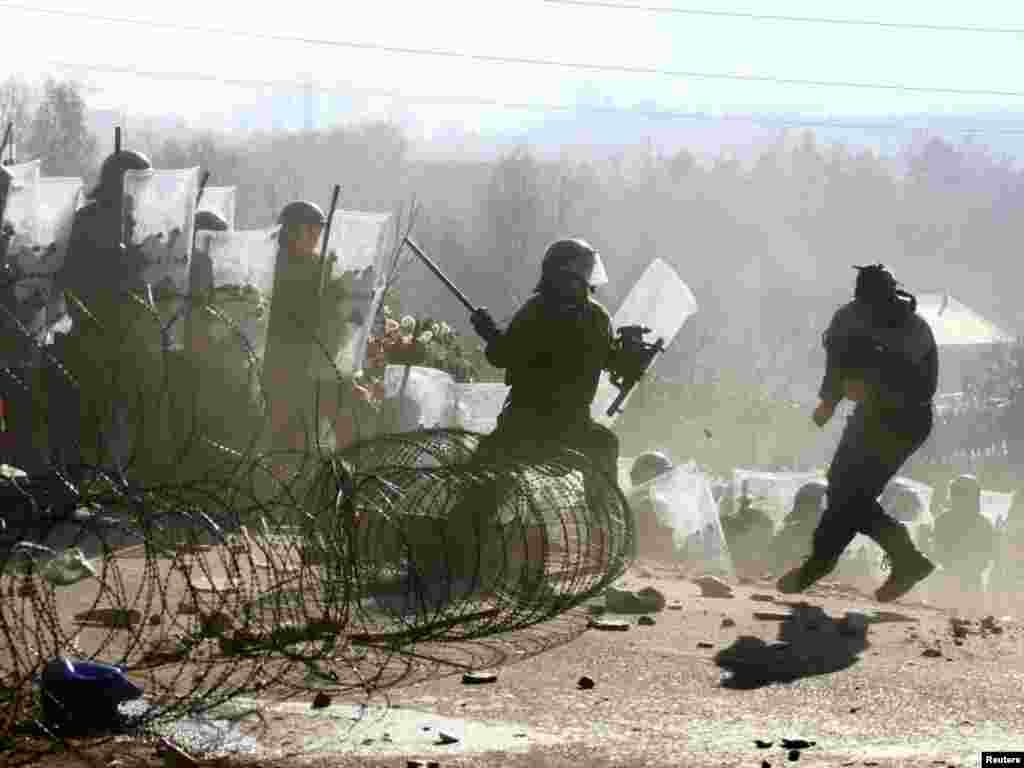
x=302 y=212
x=208 y=220
x=576 y=255
x=648 y=466
x=814 y=490
x=965 y=487
x=117 y=163
x=810 y=500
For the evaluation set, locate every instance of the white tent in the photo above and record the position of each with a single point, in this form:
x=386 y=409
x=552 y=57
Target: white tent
x=955 y=324
x=967 y=341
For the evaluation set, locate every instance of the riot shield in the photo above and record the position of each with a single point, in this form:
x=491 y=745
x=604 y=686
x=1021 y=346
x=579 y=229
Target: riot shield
x=476 y=407
x=27 y=295
x=22 y=208
x=59 y=199
x=159 y=211
x=996 y=507
x=862 y=562
x=357 y=239
x=358 y=255
x=221 y=201
x=682 y=501
x=242 y=264
x=417 y=397
x=661 y=301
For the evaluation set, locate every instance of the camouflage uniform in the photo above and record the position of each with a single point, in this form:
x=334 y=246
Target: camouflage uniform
x=553 y=352
x=964 y=540
x=553 y=360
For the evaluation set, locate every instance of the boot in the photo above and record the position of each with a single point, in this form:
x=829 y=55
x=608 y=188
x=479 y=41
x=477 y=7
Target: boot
x=908 y=565
x=799 y=579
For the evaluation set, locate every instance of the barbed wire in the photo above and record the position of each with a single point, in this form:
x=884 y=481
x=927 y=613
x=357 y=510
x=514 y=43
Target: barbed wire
x=209 y=567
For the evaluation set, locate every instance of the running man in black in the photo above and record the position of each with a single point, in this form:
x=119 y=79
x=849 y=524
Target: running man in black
x=882 y=355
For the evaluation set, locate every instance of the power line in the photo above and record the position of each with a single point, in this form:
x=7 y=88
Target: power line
x=493 y=59
x=796 y=19
x=663 y=114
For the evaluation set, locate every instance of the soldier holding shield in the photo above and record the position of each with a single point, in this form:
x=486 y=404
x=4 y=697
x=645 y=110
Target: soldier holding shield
x=295 y=403
x=112 y=355
x=553 y=351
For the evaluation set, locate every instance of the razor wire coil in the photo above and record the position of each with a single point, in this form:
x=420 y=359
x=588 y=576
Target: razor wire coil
x=219 y=569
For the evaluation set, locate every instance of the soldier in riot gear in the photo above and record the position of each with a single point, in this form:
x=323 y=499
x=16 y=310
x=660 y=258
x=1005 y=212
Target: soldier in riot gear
x=882 y=355
x=113 y=352
x=653 y=538
x=964 y=540
x=18 y=351
x=293 y=325
x=553 y=352
x=793 y=541
x=200 y=284
x=295 y=401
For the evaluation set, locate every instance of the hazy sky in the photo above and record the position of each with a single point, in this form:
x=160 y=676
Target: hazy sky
x=533 y=28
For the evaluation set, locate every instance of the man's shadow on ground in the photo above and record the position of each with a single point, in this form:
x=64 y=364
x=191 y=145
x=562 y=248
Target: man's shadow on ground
x=810 y=643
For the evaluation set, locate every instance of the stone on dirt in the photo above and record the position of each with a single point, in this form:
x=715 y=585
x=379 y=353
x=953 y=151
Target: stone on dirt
x=585 y=683
x=711 y=586
x=321 y=700
x=646 y=600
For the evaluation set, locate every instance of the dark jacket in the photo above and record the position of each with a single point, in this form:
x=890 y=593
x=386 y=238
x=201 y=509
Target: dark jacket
x=900 y=364
x=98 y=272
x=553 y=358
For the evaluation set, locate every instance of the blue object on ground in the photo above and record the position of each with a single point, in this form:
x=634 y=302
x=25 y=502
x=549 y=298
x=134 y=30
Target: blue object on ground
x=85 y=695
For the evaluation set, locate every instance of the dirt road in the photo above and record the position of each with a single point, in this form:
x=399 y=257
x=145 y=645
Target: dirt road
x=699 y=687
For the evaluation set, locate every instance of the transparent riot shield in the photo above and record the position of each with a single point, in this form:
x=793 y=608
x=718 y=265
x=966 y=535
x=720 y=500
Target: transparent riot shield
x=242 y=263
x=417 y=397
x=221 y=201
x=476 y=407
x=661 y=301
x=996 y=507
x=159 y=211
x=22 y=208
x=358 y=255
x=59 y=199
x=863 y=561
x=682 y=501
x=27 y=294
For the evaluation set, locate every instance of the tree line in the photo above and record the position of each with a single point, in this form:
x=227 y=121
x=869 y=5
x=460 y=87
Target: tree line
x=766 y=247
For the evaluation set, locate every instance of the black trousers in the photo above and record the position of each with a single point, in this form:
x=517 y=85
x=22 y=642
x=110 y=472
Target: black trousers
x=874 y=446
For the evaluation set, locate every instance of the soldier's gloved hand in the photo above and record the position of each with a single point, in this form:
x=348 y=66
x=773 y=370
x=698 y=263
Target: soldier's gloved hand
x=484 y=324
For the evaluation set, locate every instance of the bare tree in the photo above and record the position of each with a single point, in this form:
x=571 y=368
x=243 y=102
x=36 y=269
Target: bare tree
x=16 y=107
x=60 y=134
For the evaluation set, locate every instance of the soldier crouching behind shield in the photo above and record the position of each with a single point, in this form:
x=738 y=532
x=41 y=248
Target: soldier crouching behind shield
x=553 y=352
x=885 y=356
x=295 y=402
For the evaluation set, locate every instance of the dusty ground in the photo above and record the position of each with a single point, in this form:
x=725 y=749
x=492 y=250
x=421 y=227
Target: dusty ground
x=778 y=668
